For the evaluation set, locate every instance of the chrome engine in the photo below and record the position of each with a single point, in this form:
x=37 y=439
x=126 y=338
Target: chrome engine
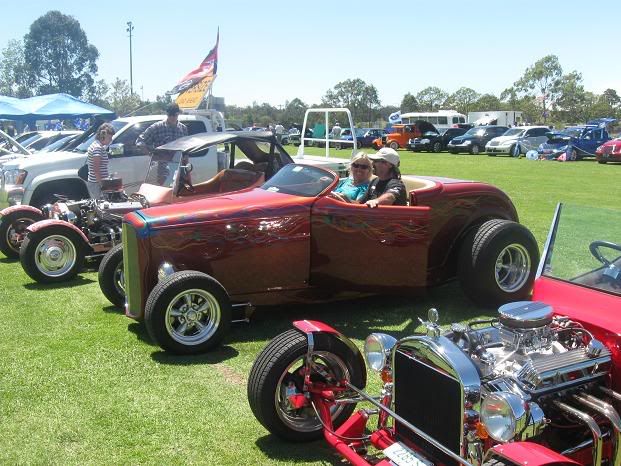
x=526 y=375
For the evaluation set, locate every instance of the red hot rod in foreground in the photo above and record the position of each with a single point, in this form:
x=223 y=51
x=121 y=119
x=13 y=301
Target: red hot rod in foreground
x=288 y=241
x=539 y=384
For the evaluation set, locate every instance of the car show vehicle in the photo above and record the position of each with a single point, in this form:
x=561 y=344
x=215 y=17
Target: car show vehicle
x=610 y=151
x=188 y=267
x=576 y=142
x=399 y=135
x=475 y=139
x=538 y=384
x=365 y=136
x=54 y=250
x=435 y=141
x=517 y=141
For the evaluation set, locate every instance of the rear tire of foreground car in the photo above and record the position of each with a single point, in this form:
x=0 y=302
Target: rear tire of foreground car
x=436 y=147
x=188 y=313
x=110 y=276
x=277 y=368
x=15 y=224
x=498 y=261
x=53 y=254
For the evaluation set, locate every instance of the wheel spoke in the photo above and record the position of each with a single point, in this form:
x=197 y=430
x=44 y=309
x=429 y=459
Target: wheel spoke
x=182 y=328
x=188 y=299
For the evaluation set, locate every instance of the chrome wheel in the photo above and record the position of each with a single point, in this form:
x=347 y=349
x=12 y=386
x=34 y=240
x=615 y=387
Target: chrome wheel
x=193 y=317
x=512 y=268
x=55 y=256
x=16 y=232
x=305 y=419
x=119 y=279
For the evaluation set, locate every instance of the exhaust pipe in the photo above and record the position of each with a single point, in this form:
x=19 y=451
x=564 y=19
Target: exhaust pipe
x=606 y=410
x=591 y=424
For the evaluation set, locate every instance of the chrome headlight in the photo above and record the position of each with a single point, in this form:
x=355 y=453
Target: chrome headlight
x=425 y=141
x=15 y=176
x=467 y=142
x=377 y=349
x=502 y=413
x=164 y=270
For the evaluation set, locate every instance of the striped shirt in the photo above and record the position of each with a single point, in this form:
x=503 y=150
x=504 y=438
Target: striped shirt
x=97 y=151
x=160 y=133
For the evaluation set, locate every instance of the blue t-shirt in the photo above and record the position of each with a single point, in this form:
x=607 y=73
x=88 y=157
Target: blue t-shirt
x=354 y=193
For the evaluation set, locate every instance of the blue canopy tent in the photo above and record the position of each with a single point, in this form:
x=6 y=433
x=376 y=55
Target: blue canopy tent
x=48 y=107
x=9 y=106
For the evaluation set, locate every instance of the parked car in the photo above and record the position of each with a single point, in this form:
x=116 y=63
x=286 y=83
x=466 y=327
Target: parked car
x=610 y=151
x=187 y=266
x=517 y=141
x=538 y=384
x=365 y=136
x=435 y=141
x=399 y=135
x=475 y=139
x=576 y=142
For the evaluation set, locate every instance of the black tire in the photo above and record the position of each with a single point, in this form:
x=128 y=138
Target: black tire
x=491 y=154
x=110 y=276
x=53 y=254
x=436 y=147
x=394 y=145
x=475 y=149
x=15 y=224
x=454 y=152
x=277 y=365
x=514 y=151
x=599 y=161
x=573 y=155
x=204 y=290
x=498 y=242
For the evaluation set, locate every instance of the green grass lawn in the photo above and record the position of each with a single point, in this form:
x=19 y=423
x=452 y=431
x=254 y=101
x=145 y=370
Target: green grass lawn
x=81 y=384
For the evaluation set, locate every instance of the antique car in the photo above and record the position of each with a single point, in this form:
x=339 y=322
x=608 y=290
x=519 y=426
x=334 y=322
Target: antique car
x=54 y=250
x=187 y=267
x=538 y=383
x=610 y=151
x=475 y=139
x=576 y=142
x=435 y=141
x=364 y=136
x=399 y=135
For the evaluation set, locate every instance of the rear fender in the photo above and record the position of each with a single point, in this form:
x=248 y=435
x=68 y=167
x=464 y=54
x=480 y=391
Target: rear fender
x=20 y=208
x=311 y=328
x=38 y=226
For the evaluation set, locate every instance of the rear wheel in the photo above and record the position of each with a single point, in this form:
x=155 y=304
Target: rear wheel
x=573 y=155
x=497 y=263
x=394 y=145
x=53 y=254
x=436 y=147
x=474 y=149
x=111 y=278
x=13 y=230
x=599 y=161
x=278 y=373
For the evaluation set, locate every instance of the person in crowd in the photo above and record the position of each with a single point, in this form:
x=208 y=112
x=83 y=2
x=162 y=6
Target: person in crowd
x=336 y=134
x=97 y=159
x=354 y=188
x=163 y=131
x=387 y=188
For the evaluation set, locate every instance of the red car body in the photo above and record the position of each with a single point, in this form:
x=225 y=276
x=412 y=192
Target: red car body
x=610 y=151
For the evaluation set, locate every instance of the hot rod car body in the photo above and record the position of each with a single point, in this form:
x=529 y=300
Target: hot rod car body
x=538 y=384
x=289 y=241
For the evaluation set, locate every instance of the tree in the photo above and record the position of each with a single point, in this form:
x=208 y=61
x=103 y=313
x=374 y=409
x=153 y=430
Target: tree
x=543 y=78
x=59 y=56
x=293 y=113
x=571 y=99
x=123 y=102
x=486 y=102
x=409 y=103
x=463 y=99
x=356 y=95
x=431 y=98
x=13 y=70
x=98 y=94
x=611 y=96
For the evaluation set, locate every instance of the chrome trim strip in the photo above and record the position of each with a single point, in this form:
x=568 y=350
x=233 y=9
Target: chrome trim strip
x=591 y=424
x=549 y=240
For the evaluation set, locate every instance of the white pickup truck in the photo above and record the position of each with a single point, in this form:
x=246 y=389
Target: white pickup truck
x=37 y=181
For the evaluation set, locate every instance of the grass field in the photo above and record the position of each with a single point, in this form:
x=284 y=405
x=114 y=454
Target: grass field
x=81 y=384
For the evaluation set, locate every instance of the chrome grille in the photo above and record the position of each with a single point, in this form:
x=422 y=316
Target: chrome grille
x=131 y=272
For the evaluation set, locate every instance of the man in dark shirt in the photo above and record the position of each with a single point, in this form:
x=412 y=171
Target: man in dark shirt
x=387 y=188
x=164 y=131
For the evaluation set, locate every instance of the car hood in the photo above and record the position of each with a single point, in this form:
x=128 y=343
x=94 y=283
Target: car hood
x=51 y=158
x=501 y=139
x=251 y=204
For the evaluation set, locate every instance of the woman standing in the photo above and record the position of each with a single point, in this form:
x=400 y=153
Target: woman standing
x=97 y=159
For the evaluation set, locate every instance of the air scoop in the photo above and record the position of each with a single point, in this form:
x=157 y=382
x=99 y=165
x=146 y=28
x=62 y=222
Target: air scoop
x=525 y=314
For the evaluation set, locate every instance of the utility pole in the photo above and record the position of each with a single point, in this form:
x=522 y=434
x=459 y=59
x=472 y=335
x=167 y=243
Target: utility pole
x=130 y=28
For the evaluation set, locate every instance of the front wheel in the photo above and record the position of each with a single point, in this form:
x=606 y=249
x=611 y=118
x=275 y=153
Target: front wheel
x=436 y=147
x=13 y=230
x=111 y=277
x=53 y=254
x=475 y=149
x=394 y=145
x=188 y=313
x=278 y=374
x=498 y=261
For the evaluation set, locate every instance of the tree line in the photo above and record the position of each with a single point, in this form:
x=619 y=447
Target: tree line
x=55 y=56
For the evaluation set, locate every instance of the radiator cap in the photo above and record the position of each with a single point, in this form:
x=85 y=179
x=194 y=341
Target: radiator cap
x=525 y=314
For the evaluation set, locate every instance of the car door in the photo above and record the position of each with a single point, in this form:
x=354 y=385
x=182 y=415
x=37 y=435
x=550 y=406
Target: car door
x=592 y=140
x=533 y=138
x=361 y=249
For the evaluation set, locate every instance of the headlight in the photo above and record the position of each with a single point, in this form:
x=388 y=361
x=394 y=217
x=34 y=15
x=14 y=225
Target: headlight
x=467 y=142
x=164 y=270
x=425 y=141
x=377 y=349
x=15 y=176
x=501 y=414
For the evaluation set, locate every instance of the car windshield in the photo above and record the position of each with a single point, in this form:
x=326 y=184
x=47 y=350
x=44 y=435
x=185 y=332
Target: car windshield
x=299 y=180
x=162 y=168
x=514 y=132
x=55 y=145
x=579 y=234
x=475 y=131
x=117 y=125
x=573 y=132
x=360 y=132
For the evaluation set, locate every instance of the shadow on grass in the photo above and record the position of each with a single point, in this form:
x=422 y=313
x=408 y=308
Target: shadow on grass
x=112 y=309
x=281 y=450
x=220 y=354
x=139 y=329
x=8 y=260
x=78 y=281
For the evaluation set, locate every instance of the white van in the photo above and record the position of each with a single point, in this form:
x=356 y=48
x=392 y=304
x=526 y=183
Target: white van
x=442 y=119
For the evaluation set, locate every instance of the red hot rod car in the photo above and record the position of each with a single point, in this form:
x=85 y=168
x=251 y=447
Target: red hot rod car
x=538 y=384
x=288 y=241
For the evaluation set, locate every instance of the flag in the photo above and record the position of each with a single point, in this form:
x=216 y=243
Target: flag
x=208 y=67
x=394 y=117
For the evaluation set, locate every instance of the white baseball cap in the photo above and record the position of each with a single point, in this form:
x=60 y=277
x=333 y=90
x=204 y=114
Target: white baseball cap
x=389 y=155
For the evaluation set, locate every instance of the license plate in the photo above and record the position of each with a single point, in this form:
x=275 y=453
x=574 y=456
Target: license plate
x=401 y=455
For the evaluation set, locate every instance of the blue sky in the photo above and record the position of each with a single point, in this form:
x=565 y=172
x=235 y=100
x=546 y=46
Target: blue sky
x=278 y=50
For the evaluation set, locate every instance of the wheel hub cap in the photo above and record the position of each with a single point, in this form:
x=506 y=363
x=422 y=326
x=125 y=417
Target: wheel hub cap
x=55 y=256
x=193 y=316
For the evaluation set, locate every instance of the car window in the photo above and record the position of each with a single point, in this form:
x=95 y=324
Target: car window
x=129 y=136
x=194 y=126
x=42 y=142
x=299 y=180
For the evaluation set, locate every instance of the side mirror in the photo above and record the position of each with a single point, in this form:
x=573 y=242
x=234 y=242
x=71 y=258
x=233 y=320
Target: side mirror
x=116 y=149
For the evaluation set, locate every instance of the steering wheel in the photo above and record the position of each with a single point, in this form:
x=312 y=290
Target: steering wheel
x=594 y=248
